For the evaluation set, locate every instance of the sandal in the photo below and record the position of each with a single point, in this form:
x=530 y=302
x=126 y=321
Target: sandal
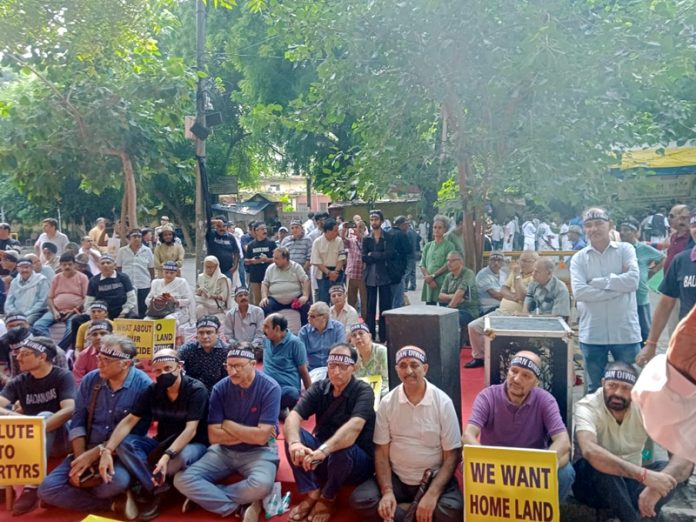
x=322 y=511
x=302 y=510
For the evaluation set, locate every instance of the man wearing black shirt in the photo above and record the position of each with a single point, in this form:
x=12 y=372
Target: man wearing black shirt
x=204 y=359
x=341 y=449
x=223 y=246
x=6 y=242
x=178 y=402
x=113 y=287
x=258 y=255
x=42 y=390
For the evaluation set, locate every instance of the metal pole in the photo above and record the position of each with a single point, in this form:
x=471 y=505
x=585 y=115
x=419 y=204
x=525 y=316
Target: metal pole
x=200 y=144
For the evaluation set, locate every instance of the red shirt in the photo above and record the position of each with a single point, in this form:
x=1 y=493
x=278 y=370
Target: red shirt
x=677 y=243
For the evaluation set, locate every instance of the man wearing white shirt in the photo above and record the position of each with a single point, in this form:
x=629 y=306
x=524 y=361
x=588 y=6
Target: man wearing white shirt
x=604 y=276
x=137 y=262
x=93 y=255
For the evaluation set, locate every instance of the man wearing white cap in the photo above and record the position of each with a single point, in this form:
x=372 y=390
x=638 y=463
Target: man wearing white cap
x=115 y=288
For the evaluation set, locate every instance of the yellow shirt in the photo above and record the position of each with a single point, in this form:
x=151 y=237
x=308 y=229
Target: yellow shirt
x=508 y=306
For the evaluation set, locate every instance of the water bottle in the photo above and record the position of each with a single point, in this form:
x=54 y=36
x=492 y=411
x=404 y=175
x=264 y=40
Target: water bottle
x=272 y=507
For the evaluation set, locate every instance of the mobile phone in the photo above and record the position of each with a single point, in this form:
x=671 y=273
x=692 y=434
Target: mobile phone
x=158 y=477
x=88 y=474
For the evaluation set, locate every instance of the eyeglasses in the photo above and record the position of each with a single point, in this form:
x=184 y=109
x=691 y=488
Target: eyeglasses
x=236 y=367
x=103 y=359
x=339 y=366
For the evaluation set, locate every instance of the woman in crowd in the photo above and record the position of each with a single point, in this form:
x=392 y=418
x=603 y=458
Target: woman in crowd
x=434 y=260
x=372 y=357
x=213 y=295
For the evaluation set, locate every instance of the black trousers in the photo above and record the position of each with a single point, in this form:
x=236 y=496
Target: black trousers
x=385 y=303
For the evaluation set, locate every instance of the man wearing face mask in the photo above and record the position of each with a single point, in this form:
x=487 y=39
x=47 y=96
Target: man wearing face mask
x=178 y=403
x=610 y=436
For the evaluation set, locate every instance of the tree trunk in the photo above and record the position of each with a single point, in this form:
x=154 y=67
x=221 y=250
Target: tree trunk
x=179 y=217
x=131 y=190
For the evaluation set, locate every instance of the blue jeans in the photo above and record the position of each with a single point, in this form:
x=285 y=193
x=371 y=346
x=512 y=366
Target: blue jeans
x=289 y=395
x=347 y=466
x=325 y=283
x=274 y=306
x=57 y=491
x=200 y=482
x=397 y=292
x=566 y=477
x=409 y=279
x=645 y=321
x=596 y=357
x=134 y=450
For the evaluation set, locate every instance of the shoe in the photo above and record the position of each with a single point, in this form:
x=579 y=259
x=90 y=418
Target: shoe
x=475 y=363
x=252 y=512
x=188 y=506
x=27 y=501
x=125 y=505
x=150 y=509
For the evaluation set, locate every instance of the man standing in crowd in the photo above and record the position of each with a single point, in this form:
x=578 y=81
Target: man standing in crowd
x=285 y=285
x=224 y=246
x=285 y=360
x=41 y=390
x=604 y=276
x=328 y=258
x=514 y=292
x=397 y=267
x=242 y=426
x=680 y=239
x=179 y=405
x=138 y=263
x=546 y=294
x=678 y=286
x=204 y=358
x=355 y=266
x=52 y=235
x=28 y=293
x=414 y=251
x=112 y=287
x=340 y=451
x=299 y=245
x=520 y=414
x=244 y=323
x=458 y=290
x=65 y=296
x=259 y=254
x=320 y=334
x=378 y=250
x=98 y=235
x=104 y=398
x=416 y=429
x=456 y=235
x=610 y=436
x=649 y=261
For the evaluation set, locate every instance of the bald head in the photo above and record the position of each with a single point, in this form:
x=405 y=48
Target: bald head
x=529 y=355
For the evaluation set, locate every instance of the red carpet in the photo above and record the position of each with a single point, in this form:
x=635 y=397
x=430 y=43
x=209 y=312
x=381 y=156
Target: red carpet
x=471 y=383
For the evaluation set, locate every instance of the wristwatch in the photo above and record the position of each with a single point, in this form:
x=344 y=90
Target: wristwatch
x=171 y=453
x=103 y=449
x=324 y=449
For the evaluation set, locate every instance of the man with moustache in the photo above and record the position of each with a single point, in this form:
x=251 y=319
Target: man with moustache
x=298 y=244
x=110 y=392
x=244 y=323
x=179 y=404
x=41 y=390
x=204 y=358
x=416 y=429
x=520 y=414
x=605 y=276
x=258 y=255
x=610 y=436
x=138 y=263
x=88 y=359
x=242 y=426
x=224 y=246
x=340 y=451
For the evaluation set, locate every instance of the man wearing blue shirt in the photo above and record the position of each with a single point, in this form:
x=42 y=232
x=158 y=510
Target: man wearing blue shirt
x=109 y=393
x=285 y=360
x=605 y=276
x=242 y=425
x=319 y=334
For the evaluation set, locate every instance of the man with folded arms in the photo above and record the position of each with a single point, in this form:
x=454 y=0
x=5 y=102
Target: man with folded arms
x=416 y=429
x=178 y=403
x=610 y=435
x=340 y=451
x=106 y=395
x=242 y=426
x=41 y=390
x=520 y=414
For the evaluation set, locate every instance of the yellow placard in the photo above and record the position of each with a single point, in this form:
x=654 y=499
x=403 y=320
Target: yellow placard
x=375 y=382
x=149 y=336
x=22 y=450
x=510 y=484
x=95 y=518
